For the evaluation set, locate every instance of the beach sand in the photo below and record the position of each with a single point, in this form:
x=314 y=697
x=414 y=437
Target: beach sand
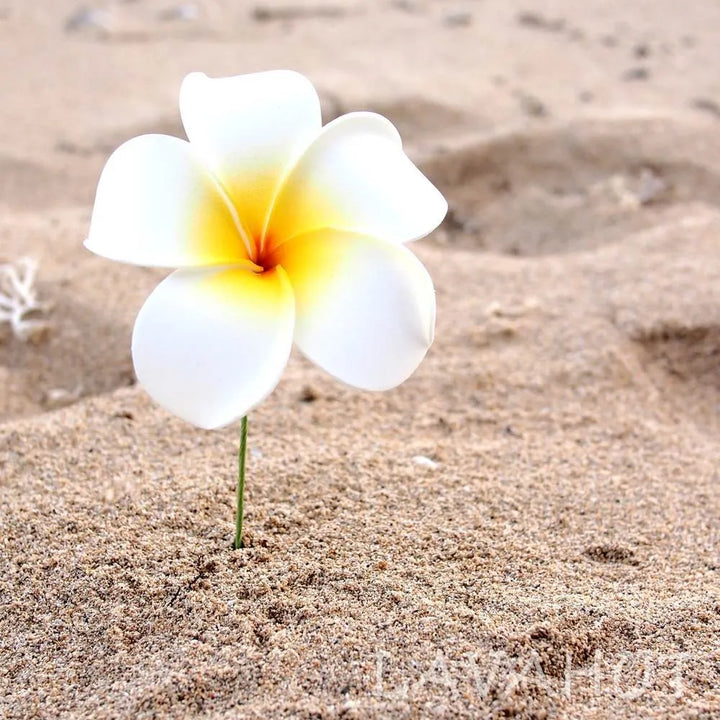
x=528 y=527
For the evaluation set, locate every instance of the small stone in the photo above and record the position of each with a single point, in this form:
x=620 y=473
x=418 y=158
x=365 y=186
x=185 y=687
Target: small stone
x=458 y=19
x=707 y=105
x=60 y=397
x=186 y=12
x=636 y=73
x=269 y=13
x=650 y=187
x=89 y=20
x=538 y=22
x=532 y=106
x=424 y=461
x=308 y=395
x=410 y=6
x=609 y=40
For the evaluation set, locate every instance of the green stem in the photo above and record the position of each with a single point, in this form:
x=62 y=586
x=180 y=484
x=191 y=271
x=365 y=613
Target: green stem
x=241 y=484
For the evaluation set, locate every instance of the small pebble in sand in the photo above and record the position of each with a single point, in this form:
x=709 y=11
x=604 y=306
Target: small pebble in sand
x=411 y=6
x=609 y=41
x=706 y=105
x=458 y=19
x=649 y=187
x=496 y=309
x=536 y=21
x=60 y=397
x=532 y=106
x=633 y=193
x=268 y=13
x=308 y=394
x=636 y=73
x=185 y=12
x=424 y=461
x=93 y=20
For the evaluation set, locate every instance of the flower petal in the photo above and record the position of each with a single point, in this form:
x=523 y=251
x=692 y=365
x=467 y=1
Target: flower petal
x=365 y=307
x=355 y=176
x=211 y=344
x=249 y=129
x=156 y=206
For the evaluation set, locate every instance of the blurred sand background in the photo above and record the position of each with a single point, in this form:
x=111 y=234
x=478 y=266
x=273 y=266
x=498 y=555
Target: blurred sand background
x=529 y=527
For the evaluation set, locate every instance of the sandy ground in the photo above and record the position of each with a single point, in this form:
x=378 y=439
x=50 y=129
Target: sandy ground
x=556 y=554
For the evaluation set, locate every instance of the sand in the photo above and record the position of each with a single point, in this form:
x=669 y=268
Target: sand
x=526 y=528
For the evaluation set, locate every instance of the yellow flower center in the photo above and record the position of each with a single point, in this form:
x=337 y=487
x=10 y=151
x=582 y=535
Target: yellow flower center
x=263 y=252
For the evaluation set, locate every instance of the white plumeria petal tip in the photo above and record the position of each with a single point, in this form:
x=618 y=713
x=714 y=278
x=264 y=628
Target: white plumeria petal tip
x=355 y=176
x=155 y=205
x=250 y=129
x=209 y=345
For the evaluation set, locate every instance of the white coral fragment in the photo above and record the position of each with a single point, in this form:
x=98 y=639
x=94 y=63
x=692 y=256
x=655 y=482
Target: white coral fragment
x=19 y=305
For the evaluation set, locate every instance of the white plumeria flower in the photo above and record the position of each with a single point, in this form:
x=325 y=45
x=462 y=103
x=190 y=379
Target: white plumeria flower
x=282 y=230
